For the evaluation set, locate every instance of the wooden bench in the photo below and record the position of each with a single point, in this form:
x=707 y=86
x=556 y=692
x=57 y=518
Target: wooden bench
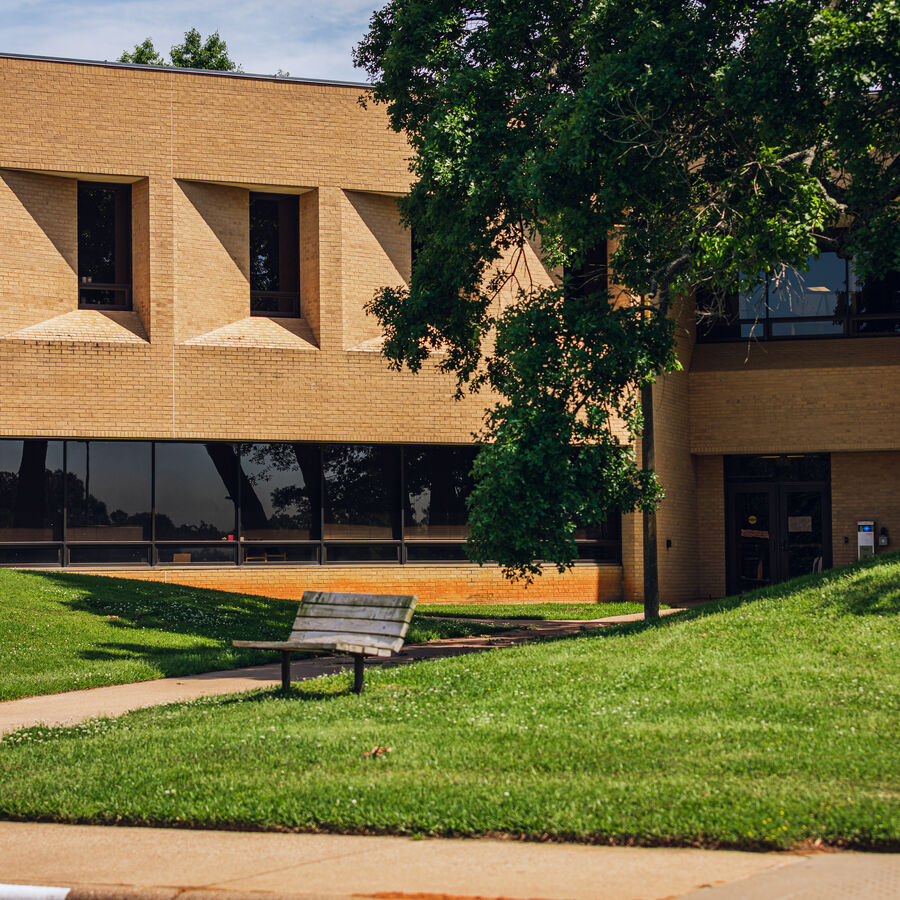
x=358 y=624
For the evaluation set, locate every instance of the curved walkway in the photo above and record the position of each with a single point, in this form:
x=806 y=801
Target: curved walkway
x=114 y=700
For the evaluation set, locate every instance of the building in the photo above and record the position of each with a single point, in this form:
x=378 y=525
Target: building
x=192 y=392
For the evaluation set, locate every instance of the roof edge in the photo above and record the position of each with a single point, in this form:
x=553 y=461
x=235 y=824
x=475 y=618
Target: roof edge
x=212 y=72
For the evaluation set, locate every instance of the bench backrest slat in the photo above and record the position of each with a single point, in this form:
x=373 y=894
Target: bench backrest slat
x=373 y=620
x=350 y=626
x=369 y=600
x=343 y=611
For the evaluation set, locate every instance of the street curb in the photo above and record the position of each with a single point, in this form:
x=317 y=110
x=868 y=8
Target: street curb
x=133 y=892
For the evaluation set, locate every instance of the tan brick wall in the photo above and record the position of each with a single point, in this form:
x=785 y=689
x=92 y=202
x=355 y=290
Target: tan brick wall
x=212 y=257
x=710 y=526
x=140 y=252
x=796 y=396
x=187 y=141
x=675 y=469
x=431 y=584
x=38 y=249
x=309 y=263
x=375 y=253
x=864 y=486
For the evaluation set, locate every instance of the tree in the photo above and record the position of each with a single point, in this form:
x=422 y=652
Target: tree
x=716 y=141
x=193 y=53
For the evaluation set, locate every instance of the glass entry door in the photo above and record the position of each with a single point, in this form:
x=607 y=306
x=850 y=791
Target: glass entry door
x=754 y=562
x=775 y=530
x=803 y=534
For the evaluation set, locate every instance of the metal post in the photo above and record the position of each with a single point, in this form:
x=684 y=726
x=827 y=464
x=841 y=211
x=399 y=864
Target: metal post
x=651 y=565
x=357 y=673
x=285 y=670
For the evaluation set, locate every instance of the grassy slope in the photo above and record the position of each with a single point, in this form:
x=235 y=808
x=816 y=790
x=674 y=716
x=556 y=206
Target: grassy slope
x=765 y=723
x=60 y=631
x=532 y=610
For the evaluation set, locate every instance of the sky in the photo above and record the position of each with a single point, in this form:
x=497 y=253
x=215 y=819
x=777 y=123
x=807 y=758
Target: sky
x=307 y=38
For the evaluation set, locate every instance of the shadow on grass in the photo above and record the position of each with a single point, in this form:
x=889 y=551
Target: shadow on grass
x=127 y=603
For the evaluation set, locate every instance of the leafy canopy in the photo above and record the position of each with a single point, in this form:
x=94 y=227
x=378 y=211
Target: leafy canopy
x=192 y=53
x=718 y=141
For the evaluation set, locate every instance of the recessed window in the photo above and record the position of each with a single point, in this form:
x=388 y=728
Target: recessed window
x=104 y=245
x=274 y=255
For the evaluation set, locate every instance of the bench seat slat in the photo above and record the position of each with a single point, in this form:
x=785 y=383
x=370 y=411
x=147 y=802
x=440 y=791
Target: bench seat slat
x=352 y=626
x=344 y=611
x=325 y=637
x=390 y=600
x=319 y=647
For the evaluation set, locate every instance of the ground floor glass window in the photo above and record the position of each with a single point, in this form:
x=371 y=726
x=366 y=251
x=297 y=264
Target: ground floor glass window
x=103 y=502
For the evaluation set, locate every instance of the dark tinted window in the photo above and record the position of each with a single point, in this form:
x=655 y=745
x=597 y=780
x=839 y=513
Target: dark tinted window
x=31 y=474
x=436 y=552
x=361 y=492
x=274 y=254
x=104 y=245
x=812 y=467
x=280 y=492
x=437 y=483
x=589 y=274
x=877 y=304
x=108 y=490
x=610 y=530
x=195 y=491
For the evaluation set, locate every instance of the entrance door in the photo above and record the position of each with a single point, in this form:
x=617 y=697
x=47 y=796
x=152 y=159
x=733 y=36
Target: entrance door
x=753 y=560
x=776 y=532
x=802 y=531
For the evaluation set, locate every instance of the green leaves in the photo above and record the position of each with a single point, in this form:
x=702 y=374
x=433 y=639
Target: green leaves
x=715 y=142
x=192 y=53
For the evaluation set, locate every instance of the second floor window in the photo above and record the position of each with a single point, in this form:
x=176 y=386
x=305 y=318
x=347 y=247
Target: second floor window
x=274 y=255
x=828 y=300
x=590 y=275
x=104 y=245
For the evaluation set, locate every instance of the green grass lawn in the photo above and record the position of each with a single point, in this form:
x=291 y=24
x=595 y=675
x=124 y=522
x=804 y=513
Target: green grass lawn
x=60 y=631
x=531 y=610
x=764 y=722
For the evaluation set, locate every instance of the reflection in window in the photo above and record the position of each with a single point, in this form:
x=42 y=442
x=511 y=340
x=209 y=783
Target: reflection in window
x=361 y=492
x=827 y=300
x=195 y=491
x=610 y=530
x=819 y=292
x=31 y=474
x=437 y=483
x=274 y=255
x=279 y=492
x=108 y=491
x=104 y=245
x=175 y=555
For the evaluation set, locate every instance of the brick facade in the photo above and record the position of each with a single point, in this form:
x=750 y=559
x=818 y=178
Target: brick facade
x=189 y=361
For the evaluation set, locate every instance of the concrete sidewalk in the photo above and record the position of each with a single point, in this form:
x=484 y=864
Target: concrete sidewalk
x=76 y=706
x=158 y=864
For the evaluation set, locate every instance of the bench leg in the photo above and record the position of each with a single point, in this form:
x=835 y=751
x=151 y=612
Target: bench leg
x=357 y=673
x=285 y=670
